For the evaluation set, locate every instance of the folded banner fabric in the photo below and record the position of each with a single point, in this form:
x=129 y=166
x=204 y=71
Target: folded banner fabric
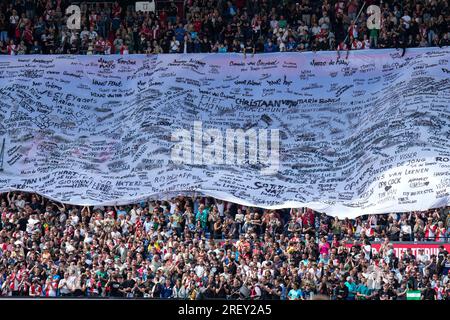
x=367 y=133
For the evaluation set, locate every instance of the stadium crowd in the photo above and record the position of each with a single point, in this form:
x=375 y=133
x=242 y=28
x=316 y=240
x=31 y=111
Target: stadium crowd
x=246 y=26
x=204 y=248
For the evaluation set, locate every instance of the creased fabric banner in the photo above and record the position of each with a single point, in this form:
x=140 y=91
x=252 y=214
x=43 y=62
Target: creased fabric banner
x=367 y=134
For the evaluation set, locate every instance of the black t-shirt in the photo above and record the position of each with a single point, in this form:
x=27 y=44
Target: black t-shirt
x=8 y=226
x=429 y=294
x=22 y=224
x=324 y=290
x=173 y=10
x=165 y=44
x=114 y=287
x=249 y=48
x=36 y=206
x=447 y=294
x=278 y=289
x=341 y=291
x=441 y=256
x=169 y=34
x=393 y=262
x=228 y=34
x=205 y=46
x=407 y=258
x=222 y=292
x=211 y=291
x=139 y=293
x=267 y=294
x=158 y=289
x=128 y=284
x=388 y=293
x=236 y=48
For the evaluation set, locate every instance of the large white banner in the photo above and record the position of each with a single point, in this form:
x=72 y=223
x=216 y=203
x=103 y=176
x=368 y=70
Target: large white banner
x=367 y=134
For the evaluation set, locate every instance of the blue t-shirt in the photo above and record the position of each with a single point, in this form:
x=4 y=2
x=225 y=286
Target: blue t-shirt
x=179 y=34
x=351 y=289
x=166 y=292
x=270 y=48
x=291 y=45
x=295 y=294
x=362 y=289
x=121 y=213
x=306 y=295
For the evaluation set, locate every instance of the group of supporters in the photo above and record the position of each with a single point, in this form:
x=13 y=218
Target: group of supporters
x=243 y=26
x=204 y=248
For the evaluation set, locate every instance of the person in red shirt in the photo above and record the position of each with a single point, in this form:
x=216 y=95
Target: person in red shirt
x=342 y=46
x=146 y=32
x=100 y=45
x=35 y=288
x=12 y=48
x=116 y=9
x=197 y=25
x=124 y=49
x=163 y=17
x=440 y=232
x=353 y=30
x=240 y=4
x=28 y=36
x=430 y=230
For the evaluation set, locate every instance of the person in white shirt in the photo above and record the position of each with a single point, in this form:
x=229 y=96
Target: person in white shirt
x=71 y=281
x=422 y=259
x=324 y=22
x=356 y=44
x=446 y=279
x=134 y=214
x=406 y=20
x=173 y=205
x=84 y=33
x=74 y=218
x=50 y=287
x=107 y=47
x=367 y=249
x=148 y=224
x=62 y=285
x=274 y=23
x=315 y=29
x=199 y=269
x=220 y=207
x=126 y=225
x=366 y=42
x=14 y=18
x=281 y=46
x=179 y=290
x=174 y=45
x=19 y=202
x=32 y=224
x=92 y=34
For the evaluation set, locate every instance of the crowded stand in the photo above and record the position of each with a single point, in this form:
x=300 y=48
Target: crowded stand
x=193 y=247
x=200 y=26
